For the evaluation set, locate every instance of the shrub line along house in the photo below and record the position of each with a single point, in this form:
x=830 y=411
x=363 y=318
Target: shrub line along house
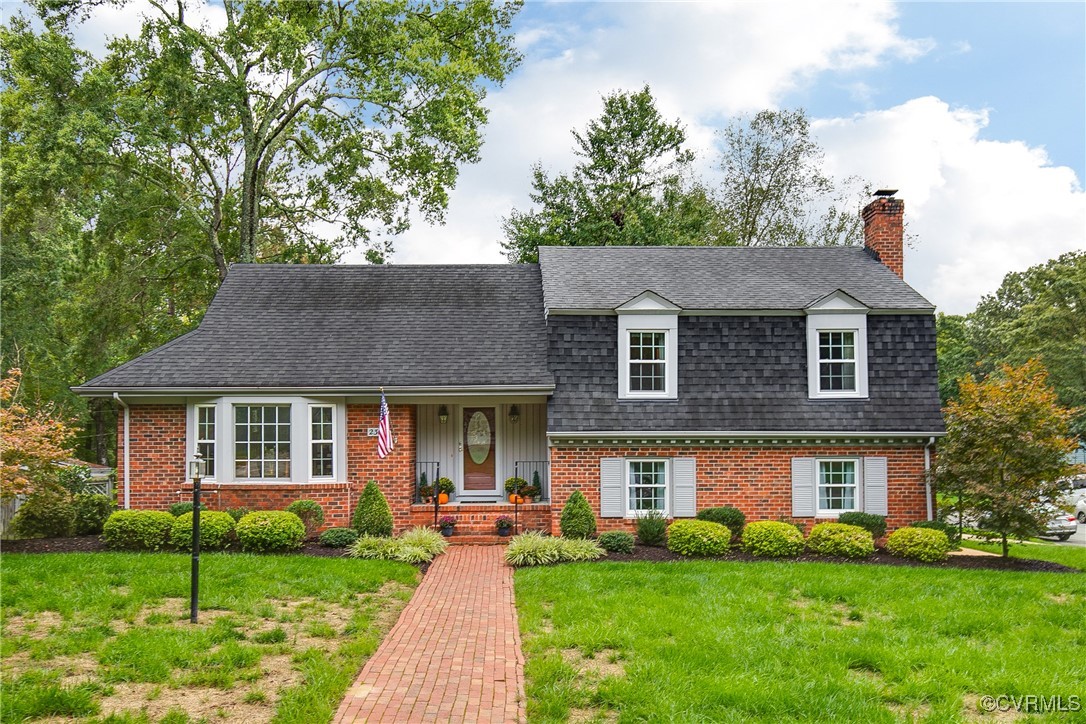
x=793 y=383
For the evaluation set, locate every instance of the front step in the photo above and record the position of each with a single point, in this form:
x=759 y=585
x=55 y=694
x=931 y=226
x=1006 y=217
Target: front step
x=477 y=539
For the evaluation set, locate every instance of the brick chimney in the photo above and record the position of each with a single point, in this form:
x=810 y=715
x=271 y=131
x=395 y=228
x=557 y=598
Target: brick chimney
x=884 y=230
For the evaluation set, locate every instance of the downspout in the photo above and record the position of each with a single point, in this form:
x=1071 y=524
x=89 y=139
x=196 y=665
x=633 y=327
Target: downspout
x=127 y=480
x=927 y=475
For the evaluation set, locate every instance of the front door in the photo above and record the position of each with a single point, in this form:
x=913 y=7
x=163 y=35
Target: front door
x=479 y=467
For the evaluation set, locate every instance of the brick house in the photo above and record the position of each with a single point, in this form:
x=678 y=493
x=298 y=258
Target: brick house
x=793 y=383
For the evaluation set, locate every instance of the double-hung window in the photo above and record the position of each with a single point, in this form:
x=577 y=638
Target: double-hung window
x=648 y=361
x=838 y=487
x=837 y=348
x=205 y=436
x=262 y=442
x=646 y=487
x=321 y=441
x=836 y=361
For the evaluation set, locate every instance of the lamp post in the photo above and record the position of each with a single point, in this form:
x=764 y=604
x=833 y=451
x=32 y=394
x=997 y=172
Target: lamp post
x=197 y=470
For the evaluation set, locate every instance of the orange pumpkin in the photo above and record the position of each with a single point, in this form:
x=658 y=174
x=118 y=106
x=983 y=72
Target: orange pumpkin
x=442 y=498
x=516 y=499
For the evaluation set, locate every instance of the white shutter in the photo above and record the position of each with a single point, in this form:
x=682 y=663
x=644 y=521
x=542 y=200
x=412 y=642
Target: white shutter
x=612 y=488
x=803 y=488
x=875 y=494
x=684 y=483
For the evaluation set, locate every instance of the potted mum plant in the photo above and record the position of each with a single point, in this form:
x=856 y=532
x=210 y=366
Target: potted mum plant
x=447 y=523
x=444 y=488
x=504 y=524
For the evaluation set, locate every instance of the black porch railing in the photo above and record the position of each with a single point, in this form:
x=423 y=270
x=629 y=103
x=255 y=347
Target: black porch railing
x=426 y=474
x=535 y=472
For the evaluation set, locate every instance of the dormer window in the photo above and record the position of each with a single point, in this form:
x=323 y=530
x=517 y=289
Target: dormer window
x=837 y=348
x=648 y=331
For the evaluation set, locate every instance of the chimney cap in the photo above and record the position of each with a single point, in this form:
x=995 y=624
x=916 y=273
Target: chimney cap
x=885 y=192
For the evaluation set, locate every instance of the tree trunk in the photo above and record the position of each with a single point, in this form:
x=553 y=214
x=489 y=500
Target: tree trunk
x=1006 y=549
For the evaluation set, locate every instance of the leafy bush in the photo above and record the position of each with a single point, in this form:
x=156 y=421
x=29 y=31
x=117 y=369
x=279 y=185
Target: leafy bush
x=868 y=521
x=311 y=513
x=216 y=531
x=839 y=539
x=652 y=528
x=418 y=545
x=267 y=531
x=772 y=539
x=515 y=485
x=698 y=538
x=373 y=517
x=238 y=513
x=616 y=541
x=536 y=549
x=578 y=520
x=74 y=478
x=953 y=535
x=91 y=512
x=179 y=509
x=46 y=513
x=729 y=517
x=138 y=530
x=338 y=537
x=919 y=544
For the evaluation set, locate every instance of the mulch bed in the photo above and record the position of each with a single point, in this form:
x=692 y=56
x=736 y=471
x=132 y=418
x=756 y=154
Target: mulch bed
x=880 y=558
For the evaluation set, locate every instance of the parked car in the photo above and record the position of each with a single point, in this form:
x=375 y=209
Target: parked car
x=1080 y=510
x=1062 y=526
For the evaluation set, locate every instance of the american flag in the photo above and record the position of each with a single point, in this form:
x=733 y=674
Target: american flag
x=384 y=431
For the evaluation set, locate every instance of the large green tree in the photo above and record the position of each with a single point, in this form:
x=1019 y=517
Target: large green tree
x=631 y=185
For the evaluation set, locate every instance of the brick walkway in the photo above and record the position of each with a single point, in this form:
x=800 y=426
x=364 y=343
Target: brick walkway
x=454 y=654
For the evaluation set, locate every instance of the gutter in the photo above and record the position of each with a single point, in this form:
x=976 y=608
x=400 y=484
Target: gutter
x=927 y=477
x=127 y=479
x=437 y=391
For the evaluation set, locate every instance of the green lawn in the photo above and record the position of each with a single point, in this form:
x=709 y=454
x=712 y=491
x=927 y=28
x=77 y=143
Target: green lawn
x=770 y=642
x=1065 y=555
x=106 y=636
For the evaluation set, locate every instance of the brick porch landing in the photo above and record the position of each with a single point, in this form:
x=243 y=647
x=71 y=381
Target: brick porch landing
x=454 y=654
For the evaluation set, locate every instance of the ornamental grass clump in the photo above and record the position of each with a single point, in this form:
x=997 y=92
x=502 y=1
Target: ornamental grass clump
x=418 y=545
x=772 y=539
x=373 y=517
x=839 y=539
x=270 y=531
x=536 y=549
x=578 y=520
x=919 y=544
x=216 y=531
x=698 y=538
x=138 y=530
x=616 y=541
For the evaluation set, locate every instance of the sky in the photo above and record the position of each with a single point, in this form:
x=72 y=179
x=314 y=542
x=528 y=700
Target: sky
x=975 y=112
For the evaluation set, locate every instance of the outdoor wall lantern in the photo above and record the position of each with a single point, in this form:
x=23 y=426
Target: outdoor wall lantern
x=442 y=414
x=514 y=414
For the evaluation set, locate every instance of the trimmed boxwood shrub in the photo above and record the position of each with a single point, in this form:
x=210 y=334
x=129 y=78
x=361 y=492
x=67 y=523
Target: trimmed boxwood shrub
x=45 y=514
x=952 y=532
x=535 y=549
x=238 y=513
x=179 y=509
x=311 y=513
x=698 y=538
x=616 y=541
x=578 y=520
x=839 y=539
x=652 y=528
x=138 y=530
x=868 y=521
x=729 y=517
x=919 y=544
x=270 y=531
x=373 y=517
x=338 y=537
x=772 y=539
x=216 y=531
x=91 y=512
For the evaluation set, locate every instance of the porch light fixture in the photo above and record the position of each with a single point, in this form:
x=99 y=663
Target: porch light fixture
x=514 y=414
x=442 y=414
x=197 y=471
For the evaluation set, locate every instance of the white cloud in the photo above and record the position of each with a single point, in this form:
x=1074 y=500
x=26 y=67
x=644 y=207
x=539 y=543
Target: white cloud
x=977 y=208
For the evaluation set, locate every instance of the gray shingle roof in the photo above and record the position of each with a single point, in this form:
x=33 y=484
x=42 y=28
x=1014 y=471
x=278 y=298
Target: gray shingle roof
x=719 y=278
x=356 y=326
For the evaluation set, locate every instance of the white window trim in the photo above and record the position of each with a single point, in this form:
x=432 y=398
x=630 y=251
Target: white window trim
x=301 y=465
x=668 y=324
x=196 y=439
x=666 y=512
x=858 y=467
x=836 y=322
x=292 y=457
x=309 y=447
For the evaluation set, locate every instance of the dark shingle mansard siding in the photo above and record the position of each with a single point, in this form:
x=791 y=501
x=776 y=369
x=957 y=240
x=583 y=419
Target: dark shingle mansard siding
x=744 y=373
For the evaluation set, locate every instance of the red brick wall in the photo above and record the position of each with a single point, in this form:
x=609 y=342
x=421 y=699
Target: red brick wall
x=157 y=457
x=884 y=232
x=757 y=480
x=476 y=519
x=396 y=473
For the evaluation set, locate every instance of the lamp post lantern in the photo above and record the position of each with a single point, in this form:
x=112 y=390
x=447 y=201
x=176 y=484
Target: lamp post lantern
x=197 y=471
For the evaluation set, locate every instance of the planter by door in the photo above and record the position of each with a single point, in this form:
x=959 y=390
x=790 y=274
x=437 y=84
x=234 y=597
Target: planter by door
x=447 y=531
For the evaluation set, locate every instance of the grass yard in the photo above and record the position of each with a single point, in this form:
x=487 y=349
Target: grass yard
x=718 y=641
x=1065 y=555
x=106 y=637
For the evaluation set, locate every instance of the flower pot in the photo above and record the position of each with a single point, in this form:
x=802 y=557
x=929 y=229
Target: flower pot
x=443 y=498
x=504 y=531
x=447 y=531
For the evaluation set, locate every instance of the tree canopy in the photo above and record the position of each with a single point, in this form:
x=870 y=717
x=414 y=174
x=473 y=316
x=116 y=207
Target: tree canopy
x=31 y=441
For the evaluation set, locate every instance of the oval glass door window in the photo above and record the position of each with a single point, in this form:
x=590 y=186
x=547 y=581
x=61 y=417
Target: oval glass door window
x=478 y=438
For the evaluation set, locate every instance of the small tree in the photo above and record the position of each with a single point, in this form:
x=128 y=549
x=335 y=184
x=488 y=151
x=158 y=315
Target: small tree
x=31 y=443
x=1006 y=448
x=373 y=516
x=578 y=520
